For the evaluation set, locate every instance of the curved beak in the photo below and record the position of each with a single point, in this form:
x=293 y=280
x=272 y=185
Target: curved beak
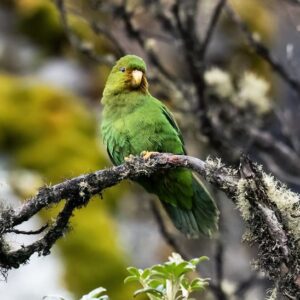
x=137 y=76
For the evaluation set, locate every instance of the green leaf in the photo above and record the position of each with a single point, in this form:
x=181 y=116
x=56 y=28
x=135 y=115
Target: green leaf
x=134 y=271
x=198 y=284
x=182 y=268
x=154 y=292
x=130 y=278
x=95 y=295
x=160 y=269
x=170 y=267
x=203 y=258
x=155 y=283
x=196 y=261
x=185 y=283
x=146 y=273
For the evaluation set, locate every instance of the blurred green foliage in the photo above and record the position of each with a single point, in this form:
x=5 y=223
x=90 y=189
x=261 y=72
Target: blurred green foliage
x=51 y=132
x=94 y=237
x=263 y=24
x=47 y=130
x=258 y=16
x=39 y=20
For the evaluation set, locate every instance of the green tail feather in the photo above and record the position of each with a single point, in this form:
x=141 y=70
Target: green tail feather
x=201 y=218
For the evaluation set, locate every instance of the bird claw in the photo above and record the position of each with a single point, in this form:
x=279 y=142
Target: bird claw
x=148 y=154
x=128 y=158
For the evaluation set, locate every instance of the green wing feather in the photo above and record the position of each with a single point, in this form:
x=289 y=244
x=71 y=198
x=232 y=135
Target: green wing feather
x=173 y=123
x=193 y=210
x=151 y=127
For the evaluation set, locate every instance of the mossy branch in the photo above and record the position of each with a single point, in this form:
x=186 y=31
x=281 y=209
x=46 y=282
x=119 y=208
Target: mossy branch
x=271 y=229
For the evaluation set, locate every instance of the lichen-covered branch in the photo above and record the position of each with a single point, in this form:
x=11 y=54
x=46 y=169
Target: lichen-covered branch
x=270 y=221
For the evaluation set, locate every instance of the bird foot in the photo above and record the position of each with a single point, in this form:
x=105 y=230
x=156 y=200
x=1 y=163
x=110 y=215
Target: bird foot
x=129 y=158
x=148 y=154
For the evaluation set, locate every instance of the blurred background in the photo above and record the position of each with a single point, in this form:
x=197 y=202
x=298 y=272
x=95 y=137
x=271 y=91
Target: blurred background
x=228 y=98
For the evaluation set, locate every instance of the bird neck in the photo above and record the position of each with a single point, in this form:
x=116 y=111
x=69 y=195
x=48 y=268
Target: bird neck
x=118 y=105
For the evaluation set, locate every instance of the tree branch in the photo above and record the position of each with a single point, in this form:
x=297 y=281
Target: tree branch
x=31 y=232
x=81 y=46
x=77 y=192
x=262 y=51
x=211 y=27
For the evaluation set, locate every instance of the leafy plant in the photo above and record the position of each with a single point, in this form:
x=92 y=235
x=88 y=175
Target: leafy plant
x=168 y=281
x=96 y=294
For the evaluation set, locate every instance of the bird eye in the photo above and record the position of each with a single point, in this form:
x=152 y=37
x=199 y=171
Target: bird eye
x=123 y=69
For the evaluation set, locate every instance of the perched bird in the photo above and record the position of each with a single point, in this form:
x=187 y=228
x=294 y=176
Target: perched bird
x=133 y=121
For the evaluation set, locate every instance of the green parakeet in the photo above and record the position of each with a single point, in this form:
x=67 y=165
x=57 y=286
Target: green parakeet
x=132 y=122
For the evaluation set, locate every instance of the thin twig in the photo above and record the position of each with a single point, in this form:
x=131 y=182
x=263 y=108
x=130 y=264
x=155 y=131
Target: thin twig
x=267 y=141
x=211 y=27
x=246 y=284
x=263 y=51
x=217 y=286
x=136 y=34
x=31 y=232
x=98 y=28
x=84 y=48
x=42 y=246
x=170 y=240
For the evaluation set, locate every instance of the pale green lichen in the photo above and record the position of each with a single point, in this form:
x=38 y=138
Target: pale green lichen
x=288 y=203
x=241 y=200
x=251 y=90
x=214 y=163
x=220 y=81
x=247 y=236
x=150 y=44
x=215 y=170
x=211 y=166
x=272 y=294
x=229 y=287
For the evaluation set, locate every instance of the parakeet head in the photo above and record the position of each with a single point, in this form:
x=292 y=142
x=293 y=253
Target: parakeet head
x=127 y=75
